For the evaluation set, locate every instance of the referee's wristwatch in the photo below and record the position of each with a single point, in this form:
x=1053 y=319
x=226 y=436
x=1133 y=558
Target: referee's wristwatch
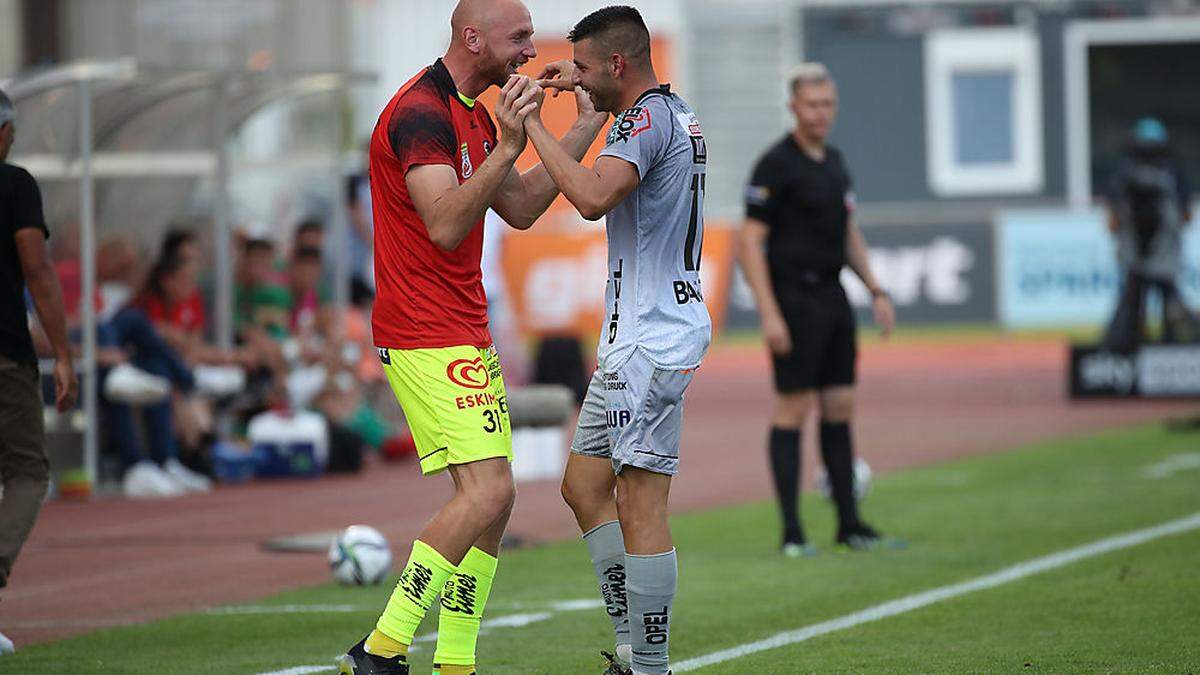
x=877 y=293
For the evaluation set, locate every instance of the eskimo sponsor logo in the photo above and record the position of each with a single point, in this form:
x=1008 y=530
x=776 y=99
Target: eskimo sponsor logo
x=617 y=418
x=685 y=292
x=656 y=626
x=475 y=401
x=415 y=581
x=631 y=123
x=459 y=594
x=616 y=314
x=612 y=587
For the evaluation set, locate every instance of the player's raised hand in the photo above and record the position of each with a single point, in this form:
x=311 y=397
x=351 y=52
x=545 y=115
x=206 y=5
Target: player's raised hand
x=516 y=102
x=558 y=77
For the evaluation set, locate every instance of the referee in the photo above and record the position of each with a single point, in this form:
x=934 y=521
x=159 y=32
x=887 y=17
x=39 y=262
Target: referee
x=24 y=466
x=798 y=234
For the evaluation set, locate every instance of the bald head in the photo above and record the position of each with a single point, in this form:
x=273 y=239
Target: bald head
x=494 y=36
x=478 y=14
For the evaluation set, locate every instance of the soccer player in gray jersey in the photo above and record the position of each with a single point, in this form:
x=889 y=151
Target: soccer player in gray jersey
x=649 y=181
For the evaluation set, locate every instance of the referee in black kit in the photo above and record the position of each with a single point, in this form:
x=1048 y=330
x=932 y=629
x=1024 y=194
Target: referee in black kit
x=798 y=235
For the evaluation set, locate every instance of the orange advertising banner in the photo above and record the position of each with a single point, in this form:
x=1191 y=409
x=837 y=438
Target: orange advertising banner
x=557 y=279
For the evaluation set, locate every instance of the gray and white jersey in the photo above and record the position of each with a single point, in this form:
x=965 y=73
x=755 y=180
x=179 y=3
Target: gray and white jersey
x=654 y=301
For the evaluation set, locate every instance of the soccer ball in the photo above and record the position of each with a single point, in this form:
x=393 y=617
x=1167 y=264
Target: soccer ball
x=862 y=480
x=360 y=556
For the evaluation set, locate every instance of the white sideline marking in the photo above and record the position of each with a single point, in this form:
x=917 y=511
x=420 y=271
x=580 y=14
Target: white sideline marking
x=303 y=670
x=285 y=609
x=919 y=600
x=504 y=621
x=1183 y=461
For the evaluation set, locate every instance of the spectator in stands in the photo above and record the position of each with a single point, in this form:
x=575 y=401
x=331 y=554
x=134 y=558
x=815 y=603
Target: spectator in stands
x=261 y=300
x=310 y=233
x=309 y=317
x=130 y=335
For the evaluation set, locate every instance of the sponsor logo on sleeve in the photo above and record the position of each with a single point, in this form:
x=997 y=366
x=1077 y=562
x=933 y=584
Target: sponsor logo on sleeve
x=631 y=123
x=467 y=169
x=757 y=195
x=690 y=124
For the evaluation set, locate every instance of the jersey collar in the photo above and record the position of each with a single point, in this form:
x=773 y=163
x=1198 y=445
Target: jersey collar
x=663 y=89
x=441 y=75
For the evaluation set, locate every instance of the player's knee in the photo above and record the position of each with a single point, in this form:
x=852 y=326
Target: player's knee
x=583 y=498
x=837 y=408
x=493 y=499
x=792 y=409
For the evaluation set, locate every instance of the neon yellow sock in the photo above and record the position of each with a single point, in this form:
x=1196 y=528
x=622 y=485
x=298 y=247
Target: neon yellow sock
x=384 y=646
x=422 y=578
x=463 y=600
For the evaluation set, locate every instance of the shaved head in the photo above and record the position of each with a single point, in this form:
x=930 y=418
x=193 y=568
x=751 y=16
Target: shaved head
x=495 y=35
x=479 y=13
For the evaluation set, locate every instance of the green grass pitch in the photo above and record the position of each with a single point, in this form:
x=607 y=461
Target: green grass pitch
x=1133 y=610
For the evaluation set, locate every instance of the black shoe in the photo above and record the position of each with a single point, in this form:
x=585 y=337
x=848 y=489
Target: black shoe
x=614 y=666
x=358 y=662
x=859 y=536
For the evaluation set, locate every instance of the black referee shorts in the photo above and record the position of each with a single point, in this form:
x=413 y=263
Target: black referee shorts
x=824 y=344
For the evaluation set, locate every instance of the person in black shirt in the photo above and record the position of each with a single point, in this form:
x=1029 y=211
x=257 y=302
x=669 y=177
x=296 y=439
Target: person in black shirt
x=799 y=233
x=24 y=466
x=1149 y=206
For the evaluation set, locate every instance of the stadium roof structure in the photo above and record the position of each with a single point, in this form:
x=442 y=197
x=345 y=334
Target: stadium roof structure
x=115 y=141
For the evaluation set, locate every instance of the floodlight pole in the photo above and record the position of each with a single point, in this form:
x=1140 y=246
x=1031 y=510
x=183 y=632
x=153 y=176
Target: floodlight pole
x=87 y=250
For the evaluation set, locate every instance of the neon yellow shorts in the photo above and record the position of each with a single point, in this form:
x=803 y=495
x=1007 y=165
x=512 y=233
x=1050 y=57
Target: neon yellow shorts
x=455 y=403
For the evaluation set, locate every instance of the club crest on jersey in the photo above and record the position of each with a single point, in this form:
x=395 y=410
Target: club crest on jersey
x=467 y=169
x=632 y=122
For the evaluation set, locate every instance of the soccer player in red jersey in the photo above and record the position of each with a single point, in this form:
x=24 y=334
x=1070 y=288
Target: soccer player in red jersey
x=437 y=163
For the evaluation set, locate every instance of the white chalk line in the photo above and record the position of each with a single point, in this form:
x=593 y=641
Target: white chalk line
x=503 y=621
x=1184 y=461
x=919 y=600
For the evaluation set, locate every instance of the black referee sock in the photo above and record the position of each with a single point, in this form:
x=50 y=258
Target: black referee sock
x=785 y=469
x=839 y=464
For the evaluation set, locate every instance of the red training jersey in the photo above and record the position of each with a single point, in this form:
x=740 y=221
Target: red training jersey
x=188 y=315
x=426 y=297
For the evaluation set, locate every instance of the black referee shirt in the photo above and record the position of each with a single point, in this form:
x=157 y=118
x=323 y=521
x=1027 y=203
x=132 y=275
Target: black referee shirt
x=20 y=207
x=807 y=206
